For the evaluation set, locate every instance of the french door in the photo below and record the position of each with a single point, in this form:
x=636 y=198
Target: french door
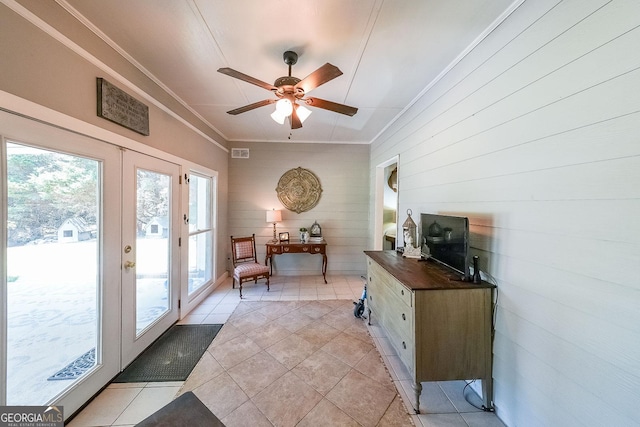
x=150 y=245
x=60 y=221
x=89 y=262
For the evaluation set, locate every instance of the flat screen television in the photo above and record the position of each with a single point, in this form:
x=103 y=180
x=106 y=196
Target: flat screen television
x=445 y=239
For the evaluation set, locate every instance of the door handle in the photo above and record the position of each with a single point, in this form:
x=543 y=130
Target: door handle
x=129 y=264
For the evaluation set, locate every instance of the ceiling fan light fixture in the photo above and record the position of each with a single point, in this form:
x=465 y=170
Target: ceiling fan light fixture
x=303 y=112
x=284 y=107
x=278 y=117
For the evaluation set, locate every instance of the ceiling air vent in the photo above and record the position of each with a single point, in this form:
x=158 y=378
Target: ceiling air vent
x=239 y=153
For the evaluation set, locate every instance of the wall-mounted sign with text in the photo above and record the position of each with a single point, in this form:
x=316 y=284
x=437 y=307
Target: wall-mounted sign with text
x=119 y=107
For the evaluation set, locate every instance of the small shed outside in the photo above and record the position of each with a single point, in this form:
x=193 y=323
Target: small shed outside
x=157 y=227
x=74 y=229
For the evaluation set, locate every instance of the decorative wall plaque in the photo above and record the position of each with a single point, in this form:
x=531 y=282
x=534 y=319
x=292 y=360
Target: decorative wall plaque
x=119 y=107
x=299 y=190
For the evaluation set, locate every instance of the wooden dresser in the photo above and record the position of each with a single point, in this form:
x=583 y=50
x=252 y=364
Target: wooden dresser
x=440 y=326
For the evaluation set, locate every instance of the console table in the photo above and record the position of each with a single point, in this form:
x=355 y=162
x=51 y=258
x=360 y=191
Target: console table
x=297 y=247
x=440 y=326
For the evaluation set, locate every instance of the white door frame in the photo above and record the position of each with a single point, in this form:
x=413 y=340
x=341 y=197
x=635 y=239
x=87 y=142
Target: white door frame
x=378 y=209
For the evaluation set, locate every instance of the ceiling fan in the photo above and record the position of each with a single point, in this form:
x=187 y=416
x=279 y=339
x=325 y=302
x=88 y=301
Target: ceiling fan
x=290 y=90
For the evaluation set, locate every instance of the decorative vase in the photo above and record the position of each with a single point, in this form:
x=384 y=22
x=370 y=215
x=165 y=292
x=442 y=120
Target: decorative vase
x=304 y=236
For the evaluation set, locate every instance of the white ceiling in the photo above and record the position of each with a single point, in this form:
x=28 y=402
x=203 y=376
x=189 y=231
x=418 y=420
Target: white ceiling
x=388 y=50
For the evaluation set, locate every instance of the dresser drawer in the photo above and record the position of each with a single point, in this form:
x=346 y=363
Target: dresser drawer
x=405 y=349
x=402 y=317
x=400 y=320
x=317 y=249
x=402 y=292
x=295 y=249
x=394 y=287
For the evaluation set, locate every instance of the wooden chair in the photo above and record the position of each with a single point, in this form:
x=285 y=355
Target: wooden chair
x=245 y=264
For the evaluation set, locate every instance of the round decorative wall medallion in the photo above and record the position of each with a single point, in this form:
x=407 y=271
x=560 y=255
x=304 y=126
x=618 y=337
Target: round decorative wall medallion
x=299 y=190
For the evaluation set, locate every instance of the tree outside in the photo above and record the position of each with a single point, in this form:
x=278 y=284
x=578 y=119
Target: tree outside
x=45 y=189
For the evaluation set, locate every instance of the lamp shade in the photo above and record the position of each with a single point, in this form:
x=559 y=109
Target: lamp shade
x=278 y=117
x=284 y=107
x=303 y=112
x=274 y=216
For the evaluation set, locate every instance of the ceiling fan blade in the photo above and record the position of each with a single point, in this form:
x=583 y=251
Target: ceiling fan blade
x=295 y=121
x=241 y=76
x=252 y=106
x=320 y=76
x=331 y=106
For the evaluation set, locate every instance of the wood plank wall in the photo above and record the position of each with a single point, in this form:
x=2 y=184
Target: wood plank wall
x=535 y=136
x=342 y=211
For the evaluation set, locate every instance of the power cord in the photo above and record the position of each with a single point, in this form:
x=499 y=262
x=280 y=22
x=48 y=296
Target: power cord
x=482 y=408
x=494 y=313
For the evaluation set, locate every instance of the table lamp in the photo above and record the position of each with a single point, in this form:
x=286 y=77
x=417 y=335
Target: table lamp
x=274 y=217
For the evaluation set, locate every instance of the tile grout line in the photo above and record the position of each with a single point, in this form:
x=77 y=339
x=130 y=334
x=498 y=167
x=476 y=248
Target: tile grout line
x=223 y=295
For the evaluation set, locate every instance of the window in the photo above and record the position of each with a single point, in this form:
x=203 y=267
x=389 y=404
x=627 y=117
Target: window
x=67 y=233
x=200 y=231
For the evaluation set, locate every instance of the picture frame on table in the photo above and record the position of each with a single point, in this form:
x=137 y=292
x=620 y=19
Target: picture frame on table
x=284 y=237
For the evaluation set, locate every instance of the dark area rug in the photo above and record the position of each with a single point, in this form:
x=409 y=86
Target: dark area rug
x=173 y=355
x=186 y=410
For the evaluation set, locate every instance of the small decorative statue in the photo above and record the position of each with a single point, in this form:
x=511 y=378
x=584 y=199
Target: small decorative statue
x=410 y=251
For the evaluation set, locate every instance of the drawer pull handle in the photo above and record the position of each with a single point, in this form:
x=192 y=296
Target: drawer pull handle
x=305 y=249
x=371 y=297
x=402 y=291
x=404 y=317
x=404 y=346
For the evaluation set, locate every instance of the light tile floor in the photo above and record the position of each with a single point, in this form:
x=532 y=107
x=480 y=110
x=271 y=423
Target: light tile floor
x=442 y=403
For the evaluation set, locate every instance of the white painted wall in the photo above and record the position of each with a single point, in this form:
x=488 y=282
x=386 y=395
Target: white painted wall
x=342 y=211
x=535 y=136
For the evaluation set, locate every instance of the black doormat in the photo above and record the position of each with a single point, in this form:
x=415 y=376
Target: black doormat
x=77 y=368
x=187 y=410
x=173 y=355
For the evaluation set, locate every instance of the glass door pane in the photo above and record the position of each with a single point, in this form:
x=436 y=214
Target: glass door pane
x=152 y=247
x=200 y=232
x=53 y=219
